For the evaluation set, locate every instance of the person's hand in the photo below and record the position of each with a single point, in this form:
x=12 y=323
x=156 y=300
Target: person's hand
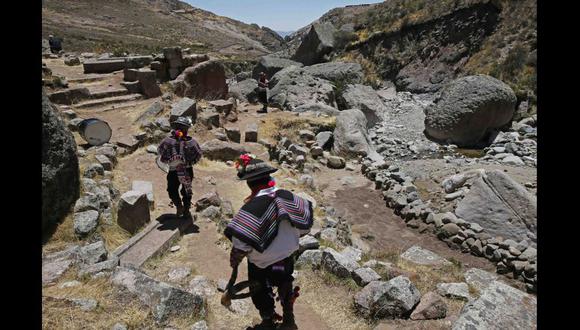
x=236 y=256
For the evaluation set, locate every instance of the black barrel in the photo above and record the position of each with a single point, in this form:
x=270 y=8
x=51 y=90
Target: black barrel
x=95 y=131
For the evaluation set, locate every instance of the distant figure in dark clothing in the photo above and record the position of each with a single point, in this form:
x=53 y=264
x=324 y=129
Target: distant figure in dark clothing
x=55 y=44
x=263 y=92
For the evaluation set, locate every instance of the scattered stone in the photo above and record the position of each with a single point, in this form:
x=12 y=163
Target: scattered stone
x=352 y=253
x=336 y=162
x=200 y=325
x=186 y=107
x=91 y=254
x=86 y=305
x=393 y=299
x=337 y=263
x=478 y=278
x=133 y=211
x=175 y=248
x=324 y=140
x=312 y=258
x=220 y=150
x=454 y=290
x=308 y=242
x=69 y=284
x=200 y=285
x=85 y=222
x=178 y=274
x=364 y=275
x=211 y=198
x=421 y=256
x=93 y=170
x=147 y=188
x=152 y=149
x=233 y=134
x=164 y=300
x=431 y=307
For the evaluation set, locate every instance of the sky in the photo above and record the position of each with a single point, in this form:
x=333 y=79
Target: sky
x=279 y=15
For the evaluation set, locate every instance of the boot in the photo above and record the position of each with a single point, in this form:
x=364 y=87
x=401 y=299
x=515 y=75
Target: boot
x=179 y=209
x=186 y=212
x=266 y=324
x=288 y=322
x=263 y=110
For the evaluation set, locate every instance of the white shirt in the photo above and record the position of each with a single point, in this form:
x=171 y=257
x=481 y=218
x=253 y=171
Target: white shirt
x=283 y=245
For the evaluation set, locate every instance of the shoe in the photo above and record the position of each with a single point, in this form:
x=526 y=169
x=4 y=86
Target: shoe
x=267 y=324
x=186 y=213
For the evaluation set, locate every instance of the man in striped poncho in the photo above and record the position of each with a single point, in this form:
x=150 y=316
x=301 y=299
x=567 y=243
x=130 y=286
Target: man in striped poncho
x=267 y=230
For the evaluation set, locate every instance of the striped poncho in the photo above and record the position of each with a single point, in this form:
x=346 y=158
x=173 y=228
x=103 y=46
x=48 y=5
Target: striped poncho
x=256 y=224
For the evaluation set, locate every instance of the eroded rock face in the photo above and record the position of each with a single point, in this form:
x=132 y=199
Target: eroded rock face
x=60 y=166
x=499 y=306
x=501 y=206
x=271 y=65
x=337 y=72
x=468 y=109
x=350 y=135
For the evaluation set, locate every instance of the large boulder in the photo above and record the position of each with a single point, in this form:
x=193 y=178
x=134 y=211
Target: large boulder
x=271 y=65
x=293 y=87
x=164 y=299
x=393 y=299
x=220 y=150
x=205 y=80
x=245 y=90
x=468 y=109
x=366 y=99
x=316 y=44
x=350 y=134
x=499 y=307
x=501 y=206
x=337 y=72
x=60 y=166
x=133 y=211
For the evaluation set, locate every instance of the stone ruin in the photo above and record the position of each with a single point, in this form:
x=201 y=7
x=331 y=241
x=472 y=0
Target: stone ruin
x=173 y=61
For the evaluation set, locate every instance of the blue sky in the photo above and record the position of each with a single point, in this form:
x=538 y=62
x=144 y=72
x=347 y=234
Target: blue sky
x=279 y=15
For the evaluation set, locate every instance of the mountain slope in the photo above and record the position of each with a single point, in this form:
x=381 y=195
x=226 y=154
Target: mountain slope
x=145 y=26
x=422 y=44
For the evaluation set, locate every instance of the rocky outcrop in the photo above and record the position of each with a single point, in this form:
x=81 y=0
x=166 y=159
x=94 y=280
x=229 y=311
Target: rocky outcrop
x=393 y=299
x=220 y=150
x=364 y=98
x=469 y=109
x=244 y=90
x=293 y=87
x=271 y=65
x=316 y=45
x=205 y=80
x=340 y=73
x=60 y=166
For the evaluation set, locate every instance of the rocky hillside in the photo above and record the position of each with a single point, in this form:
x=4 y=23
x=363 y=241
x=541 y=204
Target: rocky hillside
x=146 y=26
x=421 y=45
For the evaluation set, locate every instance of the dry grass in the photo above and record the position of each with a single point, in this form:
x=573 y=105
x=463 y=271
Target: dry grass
x=63 y=236
x=332 y=303
x=287 y=124
x=58 y=315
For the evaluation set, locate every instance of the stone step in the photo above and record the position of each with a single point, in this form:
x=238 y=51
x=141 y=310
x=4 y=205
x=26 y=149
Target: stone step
x=152 y=241
x=108 y=100
x=90 y=78
x=109 y=92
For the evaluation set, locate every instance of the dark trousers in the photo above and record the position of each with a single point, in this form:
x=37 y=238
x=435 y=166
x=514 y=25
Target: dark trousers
x=173 y=189
x=279 y=275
